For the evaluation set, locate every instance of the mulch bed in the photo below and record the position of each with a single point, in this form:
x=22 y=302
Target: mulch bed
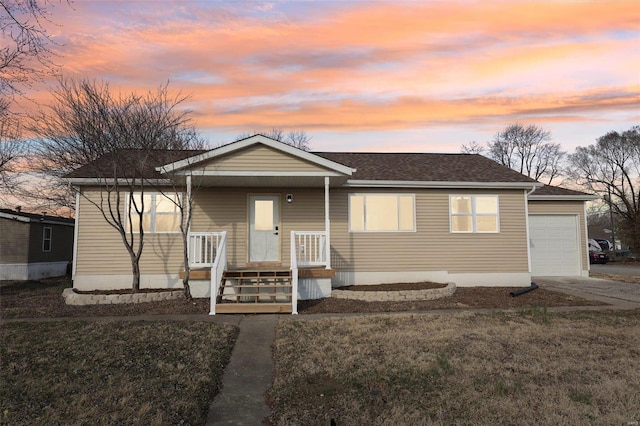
x=37 y=299
x=394 y=287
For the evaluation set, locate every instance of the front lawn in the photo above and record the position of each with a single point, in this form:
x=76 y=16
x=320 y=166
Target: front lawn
x=523 y=367
x=134 y=373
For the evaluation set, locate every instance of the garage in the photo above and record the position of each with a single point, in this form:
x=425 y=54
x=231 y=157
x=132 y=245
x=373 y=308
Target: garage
x=554 y=245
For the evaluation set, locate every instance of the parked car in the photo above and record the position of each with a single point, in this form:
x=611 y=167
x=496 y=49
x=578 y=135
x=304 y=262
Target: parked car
x=605 y=245
x=598 y=257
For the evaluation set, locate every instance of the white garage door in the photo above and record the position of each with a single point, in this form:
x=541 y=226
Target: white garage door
x=554 y=244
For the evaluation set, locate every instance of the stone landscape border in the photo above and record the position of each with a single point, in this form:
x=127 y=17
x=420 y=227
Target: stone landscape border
x=395 y=296
x=77 y=299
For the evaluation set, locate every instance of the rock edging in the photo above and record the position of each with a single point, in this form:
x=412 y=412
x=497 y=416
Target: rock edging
x=395 y=296
x=76 y=299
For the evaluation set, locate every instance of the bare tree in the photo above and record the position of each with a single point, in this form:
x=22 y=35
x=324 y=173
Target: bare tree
x=611 y=168
x=11 y=146
x=116 y=141
x=528 y=150
x=27 y=53
x=296 y=138
x=473 y=148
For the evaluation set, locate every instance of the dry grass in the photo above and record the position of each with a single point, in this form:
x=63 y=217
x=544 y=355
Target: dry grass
x=526 y=367
x=633 y=279
x=108 y=373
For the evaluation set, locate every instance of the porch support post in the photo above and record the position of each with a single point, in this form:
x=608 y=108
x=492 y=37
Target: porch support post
x=188 y=205
x=327 y=224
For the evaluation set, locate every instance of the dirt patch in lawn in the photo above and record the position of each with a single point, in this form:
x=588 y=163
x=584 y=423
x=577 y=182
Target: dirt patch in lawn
x=463 y=298
x=36 y=299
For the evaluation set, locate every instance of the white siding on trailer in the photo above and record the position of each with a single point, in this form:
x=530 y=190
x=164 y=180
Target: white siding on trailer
x=555 y=246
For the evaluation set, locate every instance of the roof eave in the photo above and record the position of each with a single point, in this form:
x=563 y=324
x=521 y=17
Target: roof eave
x=86 y=181
x=585 y=197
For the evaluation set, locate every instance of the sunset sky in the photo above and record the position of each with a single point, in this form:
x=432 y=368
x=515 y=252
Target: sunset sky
x=424 y=76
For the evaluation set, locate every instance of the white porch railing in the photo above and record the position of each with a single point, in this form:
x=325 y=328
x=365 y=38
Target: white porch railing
x=310 y=248
x=217 y=269
x=203 y=248
x=209 y=249
x=294 y=274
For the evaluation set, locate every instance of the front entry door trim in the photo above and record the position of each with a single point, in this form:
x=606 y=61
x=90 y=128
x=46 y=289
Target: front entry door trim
x=264 y=228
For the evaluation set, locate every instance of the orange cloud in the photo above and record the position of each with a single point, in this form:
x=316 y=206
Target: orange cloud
x=366 y=65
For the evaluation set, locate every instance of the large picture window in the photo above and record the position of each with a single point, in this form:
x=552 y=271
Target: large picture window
x=382 y=213
x=160 y=212
x=474 y=213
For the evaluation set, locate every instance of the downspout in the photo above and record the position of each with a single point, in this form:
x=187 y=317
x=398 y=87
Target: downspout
x=526 y=214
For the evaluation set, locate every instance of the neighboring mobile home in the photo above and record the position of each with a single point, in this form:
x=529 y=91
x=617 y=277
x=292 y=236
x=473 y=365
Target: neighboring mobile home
x=34 y=246
x=343 y=218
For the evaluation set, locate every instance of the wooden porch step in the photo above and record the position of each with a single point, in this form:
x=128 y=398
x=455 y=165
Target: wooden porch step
x=261 y=286
x=253 y=308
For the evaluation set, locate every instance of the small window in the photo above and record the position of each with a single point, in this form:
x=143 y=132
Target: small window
x=382 y=213
x=46 y=238
x=474 y=213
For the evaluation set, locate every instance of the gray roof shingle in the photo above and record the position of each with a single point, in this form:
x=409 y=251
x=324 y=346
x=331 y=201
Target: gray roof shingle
x=424 y=167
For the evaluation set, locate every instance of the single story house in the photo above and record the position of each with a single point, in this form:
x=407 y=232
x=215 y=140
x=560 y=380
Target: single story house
x=265 y=213
x=34 y=246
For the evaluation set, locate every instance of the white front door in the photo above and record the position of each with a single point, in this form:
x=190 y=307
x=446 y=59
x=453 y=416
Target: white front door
x=264 y=228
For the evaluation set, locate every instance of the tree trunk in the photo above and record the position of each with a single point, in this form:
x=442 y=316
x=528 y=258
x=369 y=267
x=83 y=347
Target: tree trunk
x=185 y=283
x=135 y=268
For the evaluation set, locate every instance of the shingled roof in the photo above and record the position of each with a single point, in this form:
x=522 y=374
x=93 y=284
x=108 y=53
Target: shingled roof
x=424 y=167
x=418 y=167
x=144 y=162
x=557 y=191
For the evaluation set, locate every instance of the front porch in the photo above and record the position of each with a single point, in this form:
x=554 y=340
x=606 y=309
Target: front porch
x=266 y=289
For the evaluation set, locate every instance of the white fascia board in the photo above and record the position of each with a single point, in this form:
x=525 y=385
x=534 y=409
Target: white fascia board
x=438 y=184
x=111 y=181
x=15 y=217
x=19 y=218
x=258 y=174
x=235 y=146
x=534 y=197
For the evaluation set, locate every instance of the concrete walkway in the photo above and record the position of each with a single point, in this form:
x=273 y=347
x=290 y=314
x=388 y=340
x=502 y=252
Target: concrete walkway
x=248 y=376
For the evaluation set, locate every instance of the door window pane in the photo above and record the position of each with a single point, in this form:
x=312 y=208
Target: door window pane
x=263 y=215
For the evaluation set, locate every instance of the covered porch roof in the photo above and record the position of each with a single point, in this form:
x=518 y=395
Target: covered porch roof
x=258 y=161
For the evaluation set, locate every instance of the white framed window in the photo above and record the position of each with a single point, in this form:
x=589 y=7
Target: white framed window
x=47 y=237
x=474 y=213
x=160 y=212
x=382 y=213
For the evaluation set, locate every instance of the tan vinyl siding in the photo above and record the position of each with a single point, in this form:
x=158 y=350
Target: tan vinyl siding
x=260 y=158
x=565 y=207
x=227 y=210
x=432 y=246
x=101 y=250
x=14 y=241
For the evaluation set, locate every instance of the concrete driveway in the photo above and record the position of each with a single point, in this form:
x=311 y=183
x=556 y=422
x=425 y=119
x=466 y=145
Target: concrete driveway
x=623 y=295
